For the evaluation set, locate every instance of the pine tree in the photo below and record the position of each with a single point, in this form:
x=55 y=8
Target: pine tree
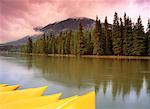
x=45 y=44
x=50 y=44
x=116 y=36
x=88 y=44
x=53 y=45
x=97 y=39
x=59 y=43
x=34 y=48
x=81 y=43
x=29 y=45
x=67 y=42
x=148 y=37
x=139 y=39
x=72 y=43
x=108 y=49
x=121 y=34
x=37 y=46
x=99 y=42
x=127 y=36
x=23 y=49
x=62 y=36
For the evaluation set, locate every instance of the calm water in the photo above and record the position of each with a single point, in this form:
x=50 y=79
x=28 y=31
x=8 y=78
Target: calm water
x=119 y=84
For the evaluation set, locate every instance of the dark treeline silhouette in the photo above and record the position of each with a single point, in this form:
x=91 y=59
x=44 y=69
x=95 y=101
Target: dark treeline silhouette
x=123 y=38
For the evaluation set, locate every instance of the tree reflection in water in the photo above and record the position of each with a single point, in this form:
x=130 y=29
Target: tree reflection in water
x=123 y=76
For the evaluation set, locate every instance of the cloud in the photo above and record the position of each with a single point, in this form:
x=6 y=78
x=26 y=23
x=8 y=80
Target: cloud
x=142 y=1
x=19 y=17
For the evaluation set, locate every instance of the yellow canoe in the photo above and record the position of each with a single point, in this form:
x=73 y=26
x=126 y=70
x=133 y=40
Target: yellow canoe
x=9 y=88
x=2 y=85
x=10 y=96
x=31 y=102
x=86 y=101
x=58 y=104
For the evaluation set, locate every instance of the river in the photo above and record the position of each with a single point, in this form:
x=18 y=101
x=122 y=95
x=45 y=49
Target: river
x=119 y=83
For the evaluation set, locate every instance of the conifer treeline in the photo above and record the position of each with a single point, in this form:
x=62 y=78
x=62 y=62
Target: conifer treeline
x=123 y=38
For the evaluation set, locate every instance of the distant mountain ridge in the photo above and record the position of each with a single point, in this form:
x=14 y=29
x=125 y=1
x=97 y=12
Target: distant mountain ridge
x=22 y=41
x=69 y=24
x=64 y=25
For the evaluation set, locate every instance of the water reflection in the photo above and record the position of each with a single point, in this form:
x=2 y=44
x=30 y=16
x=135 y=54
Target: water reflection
x=119 y=84
x=123 y=75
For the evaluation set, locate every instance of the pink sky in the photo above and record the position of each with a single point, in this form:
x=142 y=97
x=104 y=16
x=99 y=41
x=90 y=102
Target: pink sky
x=19 y=17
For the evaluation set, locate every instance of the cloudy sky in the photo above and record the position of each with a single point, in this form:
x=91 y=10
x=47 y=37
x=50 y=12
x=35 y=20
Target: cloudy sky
x=19 y=17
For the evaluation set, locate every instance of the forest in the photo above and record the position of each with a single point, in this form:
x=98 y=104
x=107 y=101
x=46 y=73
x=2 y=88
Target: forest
x=123 y=38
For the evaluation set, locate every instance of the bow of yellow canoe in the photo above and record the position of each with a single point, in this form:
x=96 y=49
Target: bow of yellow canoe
x=11 y=96
x=2 y=85
x=86 y=101
x=31 y=102
x=9 y=88
x=58 y=104
x=32 y=98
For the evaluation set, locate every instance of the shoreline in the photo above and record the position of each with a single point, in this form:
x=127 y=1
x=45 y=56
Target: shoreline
x=85 y=56
x=118 y=57
x=92 y=56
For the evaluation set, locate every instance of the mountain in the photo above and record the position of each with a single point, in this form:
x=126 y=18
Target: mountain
x=22 y=40
x=69 y=24
x=15 y=45
x=18 y=42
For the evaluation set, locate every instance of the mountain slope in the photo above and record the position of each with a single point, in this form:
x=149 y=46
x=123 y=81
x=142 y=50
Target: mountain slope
x=22 y=40
x=69 y=24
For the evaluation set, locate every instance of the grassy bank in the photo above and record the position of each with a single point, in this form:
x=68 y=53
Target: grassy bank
x=118 y=57
x=83 y=56
x=93 y=56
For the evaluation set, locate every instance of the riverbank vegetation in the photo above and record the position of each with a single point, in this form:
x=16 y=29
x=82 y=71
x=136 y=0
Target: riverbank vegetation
x=122 y=38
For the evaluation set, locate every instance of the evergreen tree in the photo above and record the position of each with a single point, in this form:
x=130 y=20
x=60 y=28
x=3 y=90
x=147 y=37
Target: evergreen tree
x=125 y=36
x=108 y=49
x=81 y=43
x=49 y=44
x=148 y=37
x=23 y=48
x=54 y=44
x=139 y=39
x=72 y=43
x=34 y=48
x=99 y=42
x=63 y=42
x=116 y=36
x=89 y=44
x=129 y=38
x=40 y=46
x=67 y=43
x=121 y=34
x=29 y=45
x=59 y=43
x=45 y=44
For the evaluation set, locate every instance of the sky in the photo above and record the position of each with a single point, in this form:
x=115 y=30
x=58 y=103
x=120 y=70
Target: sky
x=19 y=17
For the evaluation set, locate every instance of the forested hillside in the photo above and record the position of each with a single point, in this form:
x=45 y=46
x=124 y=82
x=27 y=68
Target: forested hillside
x=124 y=37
